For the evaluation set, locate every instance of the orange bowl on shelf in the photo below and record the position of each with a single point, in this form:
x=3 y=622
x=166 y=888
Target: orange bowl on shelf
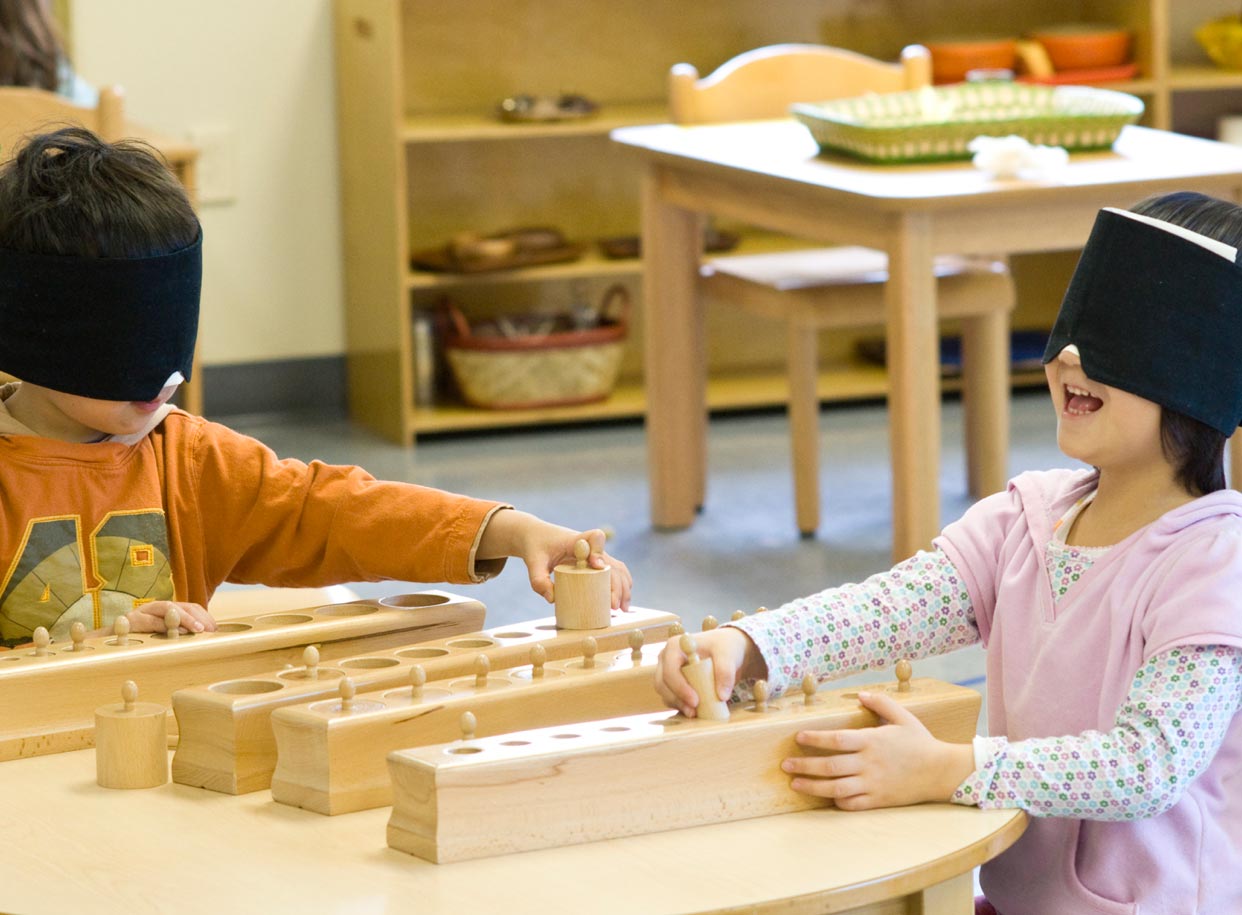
x=1082 y=46
x=952 y=59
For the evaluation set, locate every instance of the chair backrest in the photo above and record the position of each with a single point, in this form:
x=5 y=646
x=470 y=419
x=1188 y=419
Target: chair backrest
x=25 y=111
x=764 y=82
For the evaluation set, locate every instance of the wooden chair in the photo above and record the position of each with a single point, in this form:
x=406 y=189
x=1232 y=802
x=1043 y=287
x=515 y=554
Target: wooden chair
x=842 y=288
x=27 y=111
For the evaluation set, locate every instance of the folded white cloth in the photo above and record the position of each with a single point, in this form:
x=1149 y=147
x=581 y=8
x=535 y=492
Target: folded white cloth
x=1011 y=156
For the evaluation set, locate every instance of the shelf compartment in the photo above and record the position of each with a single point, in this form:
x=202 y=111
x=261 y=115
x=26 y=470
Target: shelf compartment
x=840 y=382
x=1203 y=76
x=470 y=126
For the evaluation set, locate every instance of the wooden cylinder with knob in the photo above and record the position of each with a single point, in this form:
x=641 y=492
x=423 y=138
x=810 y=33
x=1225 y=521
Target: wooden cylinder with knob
x=700 y=673
x=131 y=742
x=583 y=595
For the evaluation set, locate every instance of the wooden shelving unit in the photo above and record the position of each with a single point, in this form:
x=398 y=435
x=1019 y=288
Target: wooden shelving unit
x=424 y=157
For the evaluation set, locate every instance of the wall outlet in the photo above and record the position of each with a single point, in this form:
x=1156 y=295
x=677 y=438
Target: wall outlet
x=217 y=163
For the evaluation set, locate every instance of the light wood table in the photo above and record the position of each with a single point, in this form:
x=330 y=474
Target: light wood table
x=769 y=174
x=71 y=846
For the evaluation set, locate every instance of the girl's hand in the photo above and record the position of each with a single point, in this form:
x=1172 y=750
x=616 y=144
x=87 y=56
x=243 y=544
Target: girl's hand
x=887 y=766
x=150 y=617
x=734 y=657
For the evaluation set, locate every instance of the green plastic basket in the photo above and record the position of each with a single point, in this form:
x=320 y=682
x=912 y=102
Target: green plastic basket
x=932 y=124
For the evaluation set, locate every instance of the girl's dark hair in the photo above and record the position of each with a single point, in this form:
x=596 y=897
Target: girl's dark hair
x=30 y=45
x=70 y=193
x=1196 y=450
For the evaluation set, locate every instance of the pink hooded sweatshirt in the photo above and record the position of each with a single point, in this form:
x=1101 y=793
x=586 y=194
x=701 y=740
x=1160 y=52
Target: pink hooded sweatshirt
x=1058 y=671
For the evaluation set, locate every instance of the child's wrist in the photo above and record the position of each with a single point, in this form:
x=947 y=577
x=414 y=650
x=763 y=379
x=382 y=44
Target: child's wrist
x=957 y=766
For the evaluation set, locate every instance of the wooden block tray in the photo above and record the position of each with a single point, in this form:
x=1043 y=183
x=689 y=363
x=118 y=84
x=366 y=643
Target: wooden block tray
x=49 y=701
x=226 y=739
x=333 y=759
x=625 y=776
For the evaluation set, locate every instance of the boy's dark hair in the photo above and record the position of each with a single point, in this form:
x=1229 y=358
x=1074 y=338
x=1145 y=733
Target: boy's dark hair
x=1195 y=448
x=30 y=45
x=70 y=193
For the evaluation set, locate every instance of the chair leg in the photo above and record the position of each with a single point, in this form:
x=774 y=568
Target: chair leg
x=803 y=368
x=985 y=400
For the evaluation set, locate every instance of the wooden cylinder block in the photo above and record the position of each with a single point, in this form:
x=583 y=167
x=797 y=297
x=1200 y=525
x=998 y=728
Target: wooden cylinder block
x=131 y=743
x=583 y=594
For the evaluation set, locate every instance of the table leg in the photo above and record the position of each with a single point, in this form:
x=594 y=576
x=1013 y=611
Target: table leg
x=913 y=385
x=674 y=365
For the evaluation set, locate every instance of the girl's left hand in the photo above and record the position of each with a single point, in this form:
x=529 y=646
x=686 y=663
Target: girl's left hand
x=890 y=765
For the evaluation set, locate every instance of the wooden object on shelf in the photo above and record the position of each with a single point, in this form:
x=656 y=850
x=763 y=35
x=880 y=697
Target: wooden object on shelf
x=334 y=762
x=131 y=742
x=453 y=801
x=50 y=698
x=843 y=288
x=583 y=594
x=226 y=741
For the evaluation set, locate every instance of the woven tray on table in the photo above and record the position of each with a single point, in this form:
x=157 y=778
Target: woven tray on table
x=931 y=124
x=538 y=370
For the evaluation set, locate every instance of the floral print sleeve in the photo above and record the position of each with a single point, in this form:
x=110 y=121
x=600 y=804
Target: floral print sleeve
x=918 y=608
x=1176 y=714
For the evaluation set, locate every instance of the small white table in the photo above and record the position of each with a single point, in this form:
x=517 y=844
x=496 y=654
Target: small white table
x=769 y=174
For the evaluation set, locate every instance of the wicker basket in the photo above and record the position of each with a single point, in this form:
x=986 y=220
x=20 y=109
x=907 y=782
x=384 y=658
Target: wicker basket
x=930 y=124
x=539 y=370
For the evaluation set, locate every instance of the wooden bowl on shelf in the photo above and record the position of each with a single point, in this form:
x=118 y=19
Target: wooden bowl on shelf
x=1083 y=46
x=952 y=59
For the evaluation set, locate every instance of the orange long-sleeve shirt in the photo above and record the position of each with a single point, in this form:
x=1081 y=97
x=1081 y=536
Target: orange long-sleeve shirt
x=88 y=531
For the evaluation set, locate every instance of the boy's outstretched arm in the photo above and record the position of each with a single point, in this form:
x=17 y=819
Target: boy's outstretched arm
x=544 y=546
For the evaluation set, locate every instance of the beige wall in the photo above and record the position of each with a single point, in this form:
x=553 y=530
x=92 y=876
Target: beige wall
x=272 y=286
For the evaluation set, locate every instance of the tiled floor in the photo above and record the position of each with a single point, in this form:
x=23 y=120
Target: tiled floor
x=744 y=550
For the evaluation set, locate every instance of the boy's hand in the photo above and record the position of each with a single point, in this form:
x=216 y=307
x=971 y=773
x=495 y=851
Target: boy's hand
x=887 y=766
x=543 y=546
x=734 y=656
x=150 y=617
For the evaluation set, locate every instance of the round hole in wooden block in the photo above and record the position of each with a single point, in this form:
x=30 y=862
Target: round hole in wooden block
x=471 y=643
x=429 y=693
x=464 y=686
x=461 y=751
x=527 y=673
x=345 y=610
x=245 y=687
x=511 y=635
x=370 y=663
x=10 y=658
x=299 y=673
x=413 y=601
x=422 y=653
x=233 y=627
x=165 y=635
x=515 y=743
x=849 y=695
x=616 y=728
x=566 y=736
x=669 y=722
x=547 y=627
x=132 y=641
x=284 y=619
